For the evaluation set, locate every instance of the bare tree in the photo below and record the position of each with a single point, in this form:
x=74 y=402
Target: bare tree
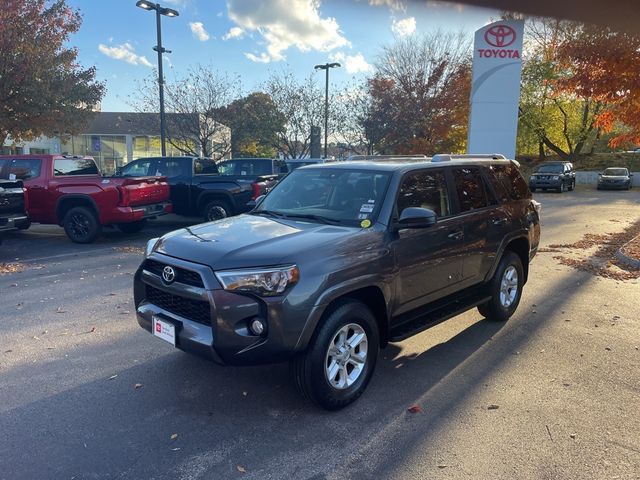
x=301 y=103
x=348 y=120
x=192 y=102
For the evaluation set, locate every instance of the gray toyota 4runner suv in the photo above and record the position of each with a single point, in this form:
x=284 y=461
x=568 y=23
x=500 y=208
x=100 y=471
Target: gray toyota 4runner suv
x=338 y=260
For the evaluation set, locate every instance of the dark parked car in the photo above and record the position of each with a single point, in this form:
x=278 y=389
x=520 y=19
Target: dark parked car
x=558 y=176
x=197 y=188
x=615 y=178
x=13 y=206
x=337 y=261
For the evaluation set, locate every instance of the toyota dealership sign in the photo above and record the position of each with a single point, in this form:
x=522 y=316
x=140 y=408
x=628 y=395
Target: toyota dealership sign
x=495 y=91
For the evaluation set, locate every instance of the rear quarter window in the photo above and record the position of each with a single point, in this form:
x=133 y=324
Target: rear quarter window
x=511 y=179
x=74 y=166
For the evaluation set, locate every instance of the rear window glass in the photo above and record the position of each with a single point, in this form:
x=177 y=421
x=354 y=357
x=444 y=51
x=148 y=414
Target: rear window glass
x=246 y=167
x=203 y=166
x=24 y=169
x=511 y=179
x=74 y=166
x=139 y=168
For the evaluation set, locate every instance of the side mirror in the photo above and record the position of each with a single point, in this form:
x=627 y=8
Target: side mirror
x=259 y=199
x=118 y=172
x=416 y=217
x=254 y=203
x=599 y=174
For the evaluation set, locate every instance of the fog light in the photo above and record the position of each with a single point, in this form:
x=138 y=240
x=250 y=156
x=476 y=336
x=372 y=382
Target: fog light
x=257 y=326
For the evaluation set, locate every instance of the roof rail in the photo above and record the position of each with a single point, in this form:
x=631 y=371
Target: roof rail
x=447 y=157
x=380 y=158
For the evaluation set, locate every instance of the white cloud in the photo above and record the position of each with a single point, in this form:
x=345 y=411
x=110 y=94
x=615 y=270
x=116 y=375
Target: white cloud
x=404 y=27
x=198 y=31
x=352 y=63
x=124 y=52
x=262 y=58
x=392 y=4
x=234 y=32
x=287 y=23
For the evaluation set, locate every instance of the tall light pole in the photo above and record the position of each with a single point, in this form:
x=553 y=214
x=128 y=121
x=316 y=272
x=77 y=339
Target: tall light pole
x=168 y=12
x=326 y=68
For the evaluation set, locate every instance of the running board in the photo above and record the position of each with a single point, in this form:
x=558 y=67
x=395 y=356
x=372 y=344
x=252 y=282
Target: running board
x=435 y=316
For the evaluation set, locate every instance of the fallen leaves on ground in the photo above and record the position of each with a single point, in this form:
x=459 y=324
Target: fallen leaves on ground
x=241 y=469
x=137 y=386
x=596 y=254
x=493 y=407
x=11 y=268
x=174 y=436
x=414 y=409
x=134 y=250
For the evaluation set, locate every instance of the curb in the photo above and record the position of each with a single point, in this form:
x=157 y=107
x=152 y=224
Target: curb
x=626 y=259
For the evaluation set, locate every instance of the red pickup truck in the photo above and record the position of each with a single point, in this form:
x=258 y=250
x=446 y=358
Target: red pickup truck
x=69 y=191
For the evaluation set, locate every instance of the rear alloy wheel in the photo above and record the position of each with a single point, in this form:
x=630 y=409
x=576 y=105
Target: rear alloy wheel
x=572 y=186
x=505 y=289
x=132 y=227
x=341 y=358
x=216 y=210
x=81 y=225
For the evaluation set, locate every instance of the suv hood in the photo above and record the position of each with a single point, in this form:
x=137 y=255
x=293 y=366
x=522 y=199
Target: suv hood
x=249 y=241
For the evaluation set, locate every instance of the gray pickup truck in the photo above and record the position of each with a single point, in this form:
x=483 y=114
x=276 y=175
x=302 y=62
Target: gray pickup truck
x=337 y=261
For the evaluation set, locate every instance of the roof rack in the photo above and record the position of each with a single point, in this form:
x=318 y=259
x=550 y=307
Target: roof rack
x=391 y=158
x=447 y=157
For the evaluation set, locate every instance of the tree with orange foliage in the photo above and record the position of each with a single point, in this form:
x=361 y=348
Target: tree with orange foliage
x=604 y=64
x=420 y=95
x=43 y=90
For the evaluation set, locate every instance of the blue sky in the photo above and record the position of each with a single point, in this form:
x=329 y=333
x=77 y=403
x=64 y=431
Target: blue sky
x=253 y=37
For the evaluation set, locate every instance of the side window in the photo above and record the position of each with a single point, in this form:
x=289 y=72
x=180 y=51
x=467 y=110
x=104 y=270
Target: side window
x=470 y=189
x=74 y=166
x=168 y=168
x=24 y=169
x=203 y=166
x=512 y=180
x=226 y=168
x=425 y=189
x=496 y=172
x=137 y=169
x=3 y=162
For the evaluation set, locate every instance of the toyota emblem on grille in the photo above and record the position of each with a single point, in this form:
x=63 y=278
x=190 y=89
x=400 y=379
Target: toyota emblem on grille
x=168 y=274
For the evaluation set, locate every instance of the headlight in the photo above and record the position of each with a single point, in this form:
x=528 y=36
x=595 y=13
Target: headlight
x=532 y=178
x=556 y=177
x=150 y=246
x=266 y=282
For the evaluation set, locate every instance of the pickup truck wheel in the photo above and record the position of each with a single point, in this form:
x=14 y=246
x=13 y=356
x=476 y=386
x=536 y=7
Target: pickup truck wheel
x=505 y=289
x=81 y=225
x=133 y=227
x=216 y=210
x=341 y=358
x=23 y=225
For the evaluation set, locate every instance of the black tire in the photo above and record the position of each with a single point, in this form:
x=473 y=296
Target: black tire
x=572 y=186
x=309 y=369
x=132 y=227
x=562 y=188
x=495 y=309
x=81 y=225
x=216 y=210
x=23 y=225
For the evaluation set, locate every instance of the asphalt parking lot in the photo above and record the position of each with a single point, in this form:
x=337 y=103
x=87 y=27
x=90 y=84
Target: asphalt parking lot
x=553 y=393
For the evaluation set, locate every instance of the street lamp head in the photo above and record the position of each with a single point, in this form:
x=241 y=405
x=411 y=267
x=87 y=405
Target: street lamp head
x=146 y=5
x=327 y=66
x=320 y=67
x=169 y=12
x=333 y=65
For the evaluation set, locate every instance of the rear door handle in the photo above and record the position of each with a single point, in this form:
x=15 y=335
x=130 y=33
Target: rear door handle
x=499 y=221
x=455 y=235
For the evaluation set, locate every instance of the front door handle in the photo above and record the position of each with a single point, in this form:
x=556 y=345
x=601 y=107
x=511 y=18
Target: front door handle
x=457 y=235
x=499 y=221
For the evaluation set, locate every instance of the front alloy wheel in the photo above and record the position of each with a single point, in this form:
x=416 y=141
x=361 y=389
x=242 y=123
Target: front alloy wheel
x=509 y=286
x=346 y=356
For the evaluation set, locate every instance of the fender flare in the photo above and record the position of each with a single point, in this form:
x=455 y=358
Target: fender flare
x=75 y=196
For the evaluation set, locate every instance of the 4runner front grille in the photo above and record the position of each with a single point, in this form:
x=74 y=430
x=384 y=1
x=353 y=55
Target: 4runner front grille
x=196 y=310
x=183 y=276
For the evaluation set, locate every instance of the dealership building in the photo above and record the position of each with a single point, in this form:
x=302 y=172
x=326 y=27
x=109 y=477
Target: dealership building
x=114 y=138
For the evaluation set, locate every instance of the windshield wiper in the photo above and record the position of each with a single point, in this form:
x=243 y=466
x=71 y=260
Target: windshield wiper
x=270 y=213
x=317 y=218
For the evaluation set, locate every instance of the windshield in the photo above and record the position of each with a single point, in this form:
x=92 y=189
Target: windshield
x=340 y=196
x=616 y=172
x=550 y=169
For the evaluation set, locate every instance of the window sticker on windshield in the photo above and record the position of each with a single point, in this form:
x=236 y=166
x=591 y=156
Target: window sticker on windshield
x=367 y=207
x=363 y=216
x=105 y=181
x=365 y=223
x=12 y=176
x=243 y=172
x=371 y=201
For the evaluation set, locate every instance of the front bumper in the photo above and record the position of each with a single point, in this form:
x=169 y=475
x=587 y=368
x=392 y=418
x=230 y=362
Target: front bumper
x=545 y=184
x=211 y=322
x=11 y=222
x=613 y=185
